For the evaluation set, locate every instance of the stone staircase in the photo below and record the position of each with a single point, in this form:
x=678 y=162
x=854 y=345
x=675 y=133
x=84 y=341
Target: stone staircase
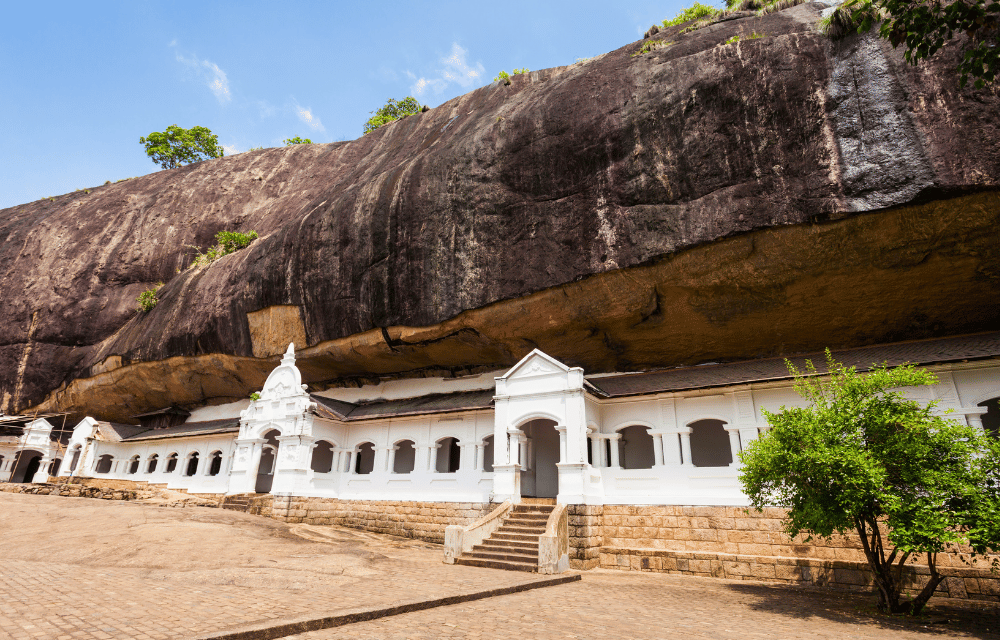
x=514 y=545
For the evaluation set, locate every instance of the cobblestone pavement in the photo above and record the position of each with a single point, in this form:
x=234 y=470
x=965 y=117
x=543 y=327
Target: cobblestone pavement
x=615 y=605
x=76 y=568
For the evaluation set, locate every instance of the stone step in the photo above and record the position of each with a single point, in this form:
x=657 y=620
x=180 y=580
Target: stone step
x=503 y=553
x=519 y=544
x=522 y=537
x=495 y=564
x=528 y=531
x=529 y=516
x=531 y=509
x=521 y=522
x=502 y=557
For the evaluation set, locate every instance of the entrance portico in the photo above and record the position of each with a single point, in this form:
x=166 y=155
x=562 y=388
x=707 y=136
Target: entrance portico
x=538 y=393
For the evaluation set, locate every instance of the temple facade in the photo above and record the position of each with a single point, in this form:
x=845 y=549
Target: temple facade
x=540 y=430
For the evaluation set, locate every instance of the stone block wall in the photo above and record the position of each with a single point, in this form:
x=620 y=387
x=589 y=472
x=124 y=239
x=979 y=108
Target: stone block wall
x=70 y=490
x=734 y=543
x=421 y=520
x=586 y=535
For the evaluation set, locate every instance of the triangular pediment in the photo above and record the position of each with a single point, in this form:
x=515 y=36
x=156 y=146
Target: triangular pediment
x=536 y=363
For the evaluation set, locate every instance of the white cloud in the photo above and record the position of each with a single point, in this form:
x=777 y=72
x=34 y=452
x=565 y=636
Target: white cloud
x=209 y=73
x=231 y=149
x=306 y=116
x=456 y=70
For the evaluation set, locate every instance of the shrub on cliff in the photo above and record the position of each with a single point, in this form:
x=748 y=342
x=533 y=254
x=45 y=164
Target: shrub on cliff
x=863 y=458
x=296 y=140
x=178 y=146
x=392 y=111
x=226 y=242
x=924 y=27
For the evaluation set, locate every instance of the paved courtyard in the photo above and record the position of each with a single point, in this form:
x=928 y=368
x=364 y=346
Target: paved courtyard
x=79 y=568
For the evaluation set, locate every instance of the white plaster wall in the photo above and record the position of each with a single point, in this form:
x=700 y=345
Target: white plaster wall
x=219 y=411
x=410 y=388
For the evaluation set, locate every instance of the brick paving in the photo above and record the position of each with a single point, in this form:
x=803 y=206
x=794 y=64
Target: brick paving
x=75 y=570
x=621 y=606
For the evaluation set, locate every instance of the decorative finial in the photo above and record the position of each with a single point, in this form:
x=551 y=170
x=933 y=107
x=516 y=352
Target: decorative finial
x=289 y=354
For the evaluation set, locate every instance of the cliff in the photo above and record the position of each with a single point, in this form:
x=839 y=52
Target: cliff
x=703 y=201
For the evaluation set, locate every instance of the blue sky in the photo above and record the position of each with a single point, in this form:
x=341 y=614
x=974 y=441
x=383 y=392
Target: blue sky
x=81 y=82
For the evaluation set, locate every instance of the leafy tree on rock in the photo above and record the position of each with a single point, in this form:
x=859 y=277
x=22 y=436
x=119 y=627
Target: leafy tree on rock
x=392 y=111
x=863 y=458
x=178 y=146
x=296 y=140
x=924 y=26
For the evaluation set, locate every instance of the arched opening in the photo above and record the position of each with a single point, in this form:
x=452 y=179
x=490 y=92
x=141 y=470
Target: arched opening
x=710 y=444
x=26 y=464
x=74 y=458
x=449 y=455
x=133 y=465
x=171 y=463
x=991 y=419
x=268 y=455
x=322 y=457
x=365 y=458
x=192 y=464
x=539 y=474
x=104 y=463
x=488 y=454
x=215 y=465
x=151 y=464
x=405 y=458
x=636 y=448
x=54 y=467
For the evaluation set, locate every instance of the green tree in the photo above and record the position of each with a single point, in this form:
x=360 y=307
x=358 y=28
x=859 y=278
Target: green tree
x=177 y=146
x=296 y=140
x=863 y=458
x=922 y=27
x=392 y=111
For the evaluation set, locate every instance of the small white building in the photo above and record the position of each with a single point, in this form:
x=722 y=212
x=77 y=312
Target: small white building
x=541 y=429
x=29 y=448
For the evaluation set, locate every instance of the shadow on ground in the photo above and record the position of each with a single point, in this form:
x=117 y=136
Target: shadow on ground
x=941 y=618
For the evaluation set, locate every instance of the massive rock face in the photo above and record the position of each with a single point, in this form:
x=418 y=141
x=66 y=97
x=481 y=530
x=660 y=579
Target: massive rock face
x=703 y=201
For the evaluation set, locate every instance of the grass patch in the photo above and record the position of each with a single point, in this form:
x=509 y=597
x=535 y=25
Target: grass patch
x=696 y=11
x=226 y=242
x=147 y=299
x=753 y=35
x=651 y=45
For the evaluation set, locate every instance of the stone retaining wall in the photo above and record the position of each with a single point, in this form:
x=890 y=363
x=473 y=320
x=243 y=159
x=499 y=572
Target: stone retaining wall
x=422 y=520
x=69 y=490
x=734 y=543
x=962 y=582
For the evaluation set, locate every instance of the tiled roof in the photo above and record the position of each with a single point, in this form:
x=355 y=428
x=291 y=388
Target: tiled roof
x=923 y=352
x=437 y=403
x=208 y=427
x=116 y=432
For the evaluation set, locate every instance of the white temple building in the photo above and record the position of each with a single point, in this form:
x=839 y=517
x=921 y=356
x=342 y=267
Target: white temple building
x=541 y=429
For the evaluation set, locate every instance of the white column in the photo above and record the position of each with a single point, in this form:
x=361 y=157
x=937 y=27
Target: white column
x=613 y=439
x=975 y=420
x=658 y=449
x=391 y=458
x=348 y=467
x=562 y=443
x=514 y=447
x=686 y=447
x=433 y=451
x=523 y=451
x=480 y=456
x=734 y=446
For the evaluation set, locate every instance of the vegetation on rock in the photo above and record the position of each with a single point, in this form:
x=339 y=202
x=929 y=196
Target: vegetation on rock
x=924 y=27
x=392 y=111
x=296 y=140
x=178 y=146
x=147 y=299
x=696 y=11
x=226 y=242
x=650 y=45
x=863 y=458
x=503 y=75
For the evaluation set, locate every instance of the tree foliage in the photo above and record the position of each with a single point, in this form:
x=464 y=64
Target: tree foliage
x=863 y=458
x=392 y=111
x=296 y=140
x=922 y=27
x=177 y=146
